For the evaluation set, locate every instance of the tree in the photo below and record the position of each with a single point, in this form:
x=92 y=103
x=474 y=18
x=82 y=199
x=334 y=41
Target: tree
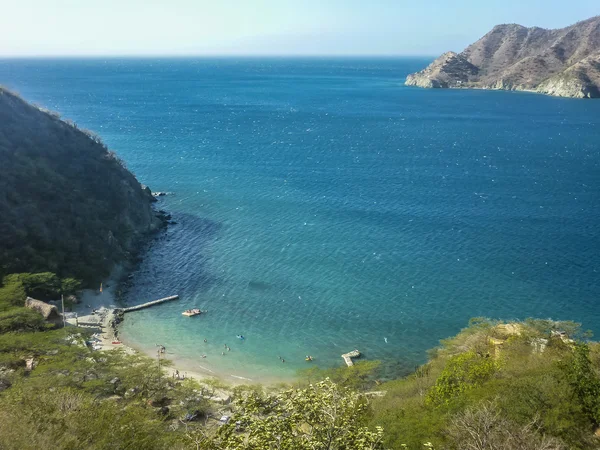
x=585 y=382
x=323 y=416
x=462 y=372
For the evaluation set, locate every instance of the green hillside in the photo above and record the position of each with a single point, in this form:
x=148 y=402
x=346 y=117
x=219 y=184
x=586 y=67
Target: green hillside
x=67 y=204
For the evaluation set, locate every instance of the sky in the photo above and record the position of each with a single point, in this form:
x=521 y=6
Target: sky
x=266 y=27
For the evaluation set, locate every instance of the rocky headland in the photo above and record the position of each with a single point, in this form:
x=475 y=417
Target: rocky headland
x=563 y=62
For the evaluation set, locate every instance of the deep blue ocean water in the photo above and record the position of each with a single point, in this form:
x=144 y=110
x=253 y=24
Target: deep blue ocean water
x=322 y=206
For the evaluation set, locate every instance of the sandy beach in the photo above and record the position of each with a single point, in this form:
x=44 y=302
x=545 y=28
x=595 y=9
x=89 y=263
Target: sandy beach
x=99 y=306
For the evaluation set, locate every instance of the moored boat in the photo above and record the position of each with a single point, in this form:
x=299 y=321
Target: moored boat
x=191 y=312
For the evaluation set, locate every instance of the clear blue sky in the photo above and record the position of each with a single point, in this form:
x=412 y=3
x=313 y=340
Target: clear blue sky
x=267 y=27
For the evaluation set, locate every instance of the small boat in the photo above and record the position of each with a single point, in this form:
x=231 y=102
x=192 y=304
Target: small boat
x=191 y=312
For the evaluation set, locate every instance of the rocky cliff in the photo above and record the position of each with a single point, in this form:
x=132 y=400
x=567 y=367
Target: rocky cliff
x=564 y=62
x=67 y=204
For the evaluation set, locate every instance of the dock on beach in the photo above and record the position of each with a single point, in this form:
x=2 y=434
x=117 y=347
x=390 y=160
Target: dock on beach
x=149 y=304
x=348 y=357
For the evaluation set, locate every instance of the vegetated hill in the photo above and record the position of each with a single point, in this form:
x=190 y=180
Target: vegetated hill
x=67 y=204
x=564 y=62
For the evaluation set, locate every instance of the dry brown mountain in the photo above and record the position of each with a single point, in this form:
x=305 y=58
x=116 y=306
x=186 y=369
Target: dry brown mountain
x=564 y=62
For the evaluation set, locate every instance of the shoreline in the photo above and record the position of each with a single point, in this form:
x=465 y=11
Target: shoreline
x=108 y=322
x=197 y=369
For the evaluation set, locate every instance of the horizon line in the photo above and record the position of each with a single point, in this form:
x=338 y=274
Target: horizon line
x=216 y=56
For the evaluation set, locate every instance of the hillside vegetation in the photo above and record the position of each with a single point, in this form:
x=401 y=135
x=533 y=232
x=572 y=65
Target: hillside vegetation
x=524 y=386
x=494 y=386
x=67 y=204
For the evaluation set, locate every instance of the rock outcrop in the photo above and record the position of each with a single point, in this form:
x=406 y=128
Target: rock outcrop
x=448 y=70
x=563 y=62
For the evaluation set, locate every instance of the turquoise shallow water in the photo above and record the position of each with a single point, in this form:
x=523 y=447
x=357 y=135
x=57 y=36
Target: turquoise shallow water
x=322 y=206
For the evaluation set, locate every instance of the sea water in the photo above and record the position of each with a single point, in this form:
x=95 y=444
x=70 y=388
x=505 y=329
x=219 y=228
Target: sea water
x=322 y=206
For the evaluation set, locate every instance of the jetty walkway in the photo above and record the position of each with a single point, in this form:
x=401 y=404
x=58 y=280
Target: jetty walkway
x=149 y=304
x=348 y=357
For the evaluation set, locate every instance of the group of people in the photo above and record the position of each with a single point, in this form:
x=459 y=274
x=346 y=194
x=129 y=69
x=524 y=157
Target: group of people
x=162 y=349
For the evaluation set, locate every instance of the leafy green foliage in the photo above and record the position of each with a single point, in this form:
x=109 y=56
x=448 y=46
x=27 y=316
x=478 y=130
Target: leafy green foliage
x=12 y=292
x=585 y=382
x=21 y=319
x=322 y=416
x=16 y=287
x=532 y=393
x=63 y=418
x=76 y=398
x=70 y=285
x=462 y=372
x=469 y=395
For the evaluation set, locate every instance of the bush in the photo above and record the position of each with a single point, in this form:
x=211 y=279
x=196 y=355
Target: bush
x=585 y=382
x=12 y=292
x=21 y=319
x=462 y=372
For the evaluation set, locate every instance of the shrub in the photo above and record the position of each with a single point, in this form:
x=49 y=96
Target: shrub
x=12 y=292
x=462 y=372
x=585 y=382
x=21 y=319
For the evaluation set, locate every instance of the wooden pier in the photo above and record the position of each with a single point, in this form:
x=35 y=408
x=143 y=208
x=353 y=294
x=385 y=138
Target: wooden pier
x=149 y=304
x=348 y=357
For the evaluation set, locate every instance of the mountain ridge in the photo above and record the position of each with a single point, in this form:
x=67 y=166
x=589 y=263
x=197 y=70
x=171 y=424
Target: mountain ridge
x=562 y=62
x=68 y=204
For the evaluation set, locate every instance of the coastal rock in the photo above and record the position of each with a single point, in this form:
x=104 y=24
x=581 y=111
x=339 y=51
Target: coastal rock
x=563 y=62
x=450 y=69
x=582 y=80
